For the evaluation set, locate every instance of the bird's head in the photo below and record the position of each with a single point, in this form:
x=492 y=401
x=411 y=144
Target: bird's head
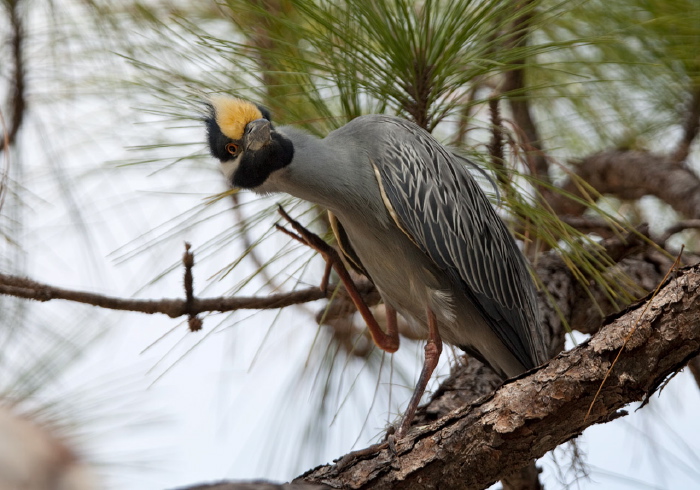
x=242 y=137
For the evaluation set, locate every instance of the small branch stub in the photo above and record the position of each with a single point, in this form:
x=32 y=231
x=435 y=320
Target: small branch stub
x=194 y=322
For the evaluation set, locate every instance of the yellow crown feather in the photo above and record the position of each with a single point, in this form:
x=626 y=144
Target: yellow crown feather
x=232 y=115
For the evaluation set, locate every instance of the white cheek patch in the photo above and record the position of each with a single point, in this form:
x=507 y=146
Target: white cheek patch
x=229 y=168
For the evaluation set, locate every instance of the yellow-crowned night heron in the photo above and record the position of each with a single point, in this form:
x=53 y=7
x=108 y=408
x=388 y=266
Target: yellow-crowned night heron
x=410 y=216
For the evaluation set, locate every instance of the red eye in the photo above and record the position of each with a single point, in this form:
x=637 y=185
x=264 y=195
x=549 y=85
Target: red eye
x=232 y=148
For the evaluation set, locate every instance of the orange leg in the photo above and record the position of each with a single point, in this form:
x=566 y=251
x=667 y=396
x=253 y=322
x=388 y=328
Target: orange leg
x=389 y=341
x=392 y=325
x=433 y=349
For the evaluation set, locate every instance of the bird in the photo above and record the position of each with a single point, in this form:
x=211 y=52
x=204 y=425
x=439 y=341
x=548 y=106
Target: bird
x=408 y=214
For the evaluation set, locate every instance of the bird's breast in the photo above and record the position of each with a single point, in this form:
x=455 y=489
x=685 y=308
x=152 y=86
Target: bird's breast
x=404 y=275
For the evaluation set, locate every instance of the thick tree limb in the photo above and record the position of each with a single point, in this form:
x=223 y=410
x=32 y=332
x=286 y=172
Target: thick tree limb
x=472 y=380
x=477 y=445
x=631 y=174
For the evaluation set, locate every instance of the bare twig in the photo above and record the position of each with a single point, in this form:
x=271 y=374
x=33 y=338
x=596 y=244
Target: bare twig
x=26 y=288
x=574 y=305
x=188 y=262
x=387 y=341
x=194 y=322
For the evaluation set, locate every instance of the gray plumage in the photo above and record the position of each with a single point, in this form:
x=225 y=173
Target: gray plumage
x=424 y=232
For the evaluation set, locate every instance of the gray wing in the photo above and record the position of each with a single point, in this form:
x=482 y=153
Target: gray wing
x=441 y=207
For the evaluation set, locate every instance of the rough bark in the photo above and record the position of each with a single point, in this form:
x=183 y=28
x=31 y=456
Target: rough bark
x=260 y=485
x=471 y=380
x=477 y=445
x=527 y=478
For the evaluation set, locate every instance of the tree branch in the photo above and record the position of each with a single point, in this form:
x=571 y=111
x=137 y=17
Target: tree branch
x=18 y=98
x=677 y=228
x=691 y=126
x=515 y=89
x=474 y=446
x=631 y=174
x=26 y=288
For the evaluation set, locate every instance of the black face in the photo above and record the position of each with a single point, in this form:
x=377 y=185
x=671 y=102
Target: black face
x=220 y=145
x=255 y=166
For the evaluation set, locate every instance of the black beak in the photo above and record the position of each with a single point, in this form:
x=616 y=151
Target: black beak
x=257 y=134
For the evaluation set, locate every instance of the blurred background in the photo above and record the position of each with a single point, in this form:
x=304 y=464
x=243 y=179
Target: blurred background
x=584 y=113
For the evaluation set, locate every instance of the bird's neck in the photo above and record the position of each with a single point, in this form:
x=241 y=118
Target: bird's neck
x=329 y=175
